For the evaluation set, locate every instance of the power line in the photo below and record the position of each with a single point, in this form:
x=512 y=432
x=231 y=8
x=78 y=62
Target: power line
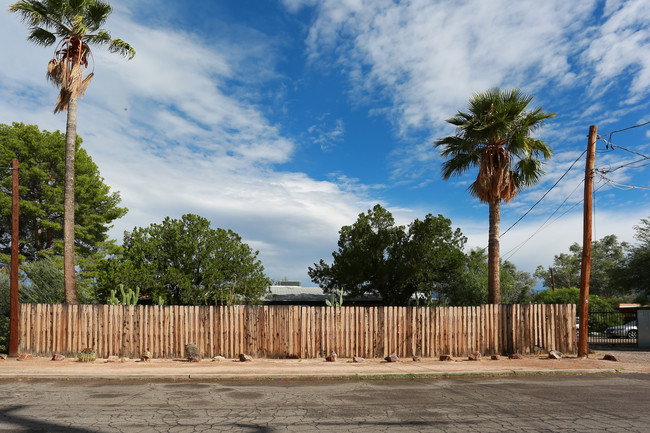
x=545 y=194
x=517 y=248
x=619 y=185
x=625 y=129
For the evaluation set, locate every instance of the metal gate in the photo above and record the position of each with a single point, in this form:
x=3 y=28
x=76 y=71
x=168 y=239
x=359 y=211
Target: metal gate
x=613 y=328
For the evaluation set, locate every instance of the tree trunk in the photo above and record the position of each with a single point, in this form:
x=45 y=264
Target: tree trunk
x=494 y=281
x=70 y=282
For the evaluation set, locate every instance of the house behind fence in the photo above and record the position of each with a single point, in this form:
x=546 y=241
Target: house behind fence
x=296 y=331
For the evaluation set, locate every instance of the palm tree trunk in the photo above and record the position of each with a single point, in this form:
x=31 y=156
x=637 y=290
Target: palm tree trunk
x=494 y=282
x=70 y=282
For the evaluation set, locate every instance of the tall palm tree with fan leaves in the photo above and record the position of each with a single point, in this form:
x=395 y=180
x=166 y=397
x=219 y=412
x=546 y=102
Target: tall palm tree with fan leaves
x=494 y=135
x=74 y=26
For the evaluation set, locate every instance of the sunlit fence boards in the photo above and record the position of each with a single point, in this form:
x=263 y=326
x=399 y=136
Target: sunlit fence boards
x=296 y=331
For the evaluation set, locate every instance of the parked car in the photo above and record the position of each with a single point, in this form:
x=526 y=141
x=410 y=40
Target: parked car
x=628 y=330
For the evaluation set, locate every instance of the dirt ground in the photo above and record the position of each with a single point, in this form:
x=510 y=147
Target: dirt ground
x=628 y=361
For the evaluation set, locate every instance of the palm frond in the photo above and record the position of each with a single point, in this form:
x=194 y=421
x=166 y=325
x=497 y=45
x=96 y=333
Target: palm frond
x=40 y=36
x=97 y=14
x=122 y=48
x=101 y=38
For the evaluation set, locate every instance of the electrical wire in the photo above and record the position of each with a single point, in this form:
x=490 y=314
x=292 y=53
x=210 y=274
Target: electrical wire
x=629 y=127
x=517 y=248
x=545 y=194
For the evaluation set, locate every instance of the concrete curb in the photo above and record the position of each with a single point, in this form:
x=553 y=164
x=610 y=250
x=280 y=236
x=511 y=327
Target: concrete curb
x=306 y=376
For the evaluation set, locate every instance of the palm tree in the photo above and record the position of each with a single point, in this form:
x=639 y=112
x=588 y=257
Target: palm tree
x=76 y=24
x=495 y=136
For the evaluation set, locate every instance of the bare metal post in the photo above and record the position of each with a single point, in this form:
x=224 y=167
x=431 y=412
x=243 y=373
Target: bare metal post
x=13 y=296
x=585 y=269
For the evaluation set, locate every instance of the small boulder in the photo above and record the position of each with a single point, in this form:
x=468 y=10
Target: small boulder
x=357 y=359
x=610 y=357
x=417 y=358
x=245 y=358
x=58 y=357
x=113 y=358
x=391 y=358
x=146 y=356
x=446 y=357
x=515 y=356
x=554 y=354
x=24 y=357
x=495 y=357
x=332 y=357
x=3 y=356
x=219 y=358
x=474 y=356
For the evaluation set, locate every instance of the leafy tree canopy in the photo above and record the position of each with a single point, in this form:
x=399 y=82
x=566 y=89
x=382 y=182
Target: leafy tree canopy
x=376 y=257
x=41 y=157
x=571 y=295
x=635 y=273
x=470 y=285
x=607 y=256
x=185 y=262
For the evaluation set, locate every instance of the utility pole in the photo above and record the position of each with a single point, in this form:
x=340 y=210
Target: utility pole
x=13 y=294
x=585 y=269
x=552 y=279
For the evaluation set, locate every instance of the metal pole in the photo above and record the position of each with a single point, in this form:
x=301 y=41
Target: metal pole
x=13 y=297
x=585 y=269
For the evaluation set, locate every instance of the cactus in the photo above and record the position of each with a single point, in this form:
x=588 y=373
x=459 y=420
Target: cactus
x=128 y=297
x=333 y=302
x=192 y=352
x=87 y=355
x=113 y=300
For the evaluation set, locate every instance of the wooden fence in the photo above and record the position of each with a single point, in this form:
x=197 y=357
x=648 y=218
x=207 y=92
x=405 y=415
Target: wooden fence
x=295 y=331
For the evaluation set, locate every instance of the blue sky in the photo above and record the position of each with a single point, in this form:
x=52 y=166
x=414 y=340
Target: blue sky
x=284 y=120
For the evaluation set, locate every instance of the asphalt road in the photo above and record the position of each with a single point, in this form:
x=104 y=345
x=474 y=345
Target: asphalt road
x=567 y=403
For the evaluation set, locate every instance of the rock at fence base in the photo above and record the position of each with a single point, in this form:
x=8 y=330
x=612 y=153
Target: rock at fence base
x=245 y=358
x=24 y=357
x=610 y=357
x=495 y=357
x=446 y=357
x=332 y=357
x=124 y=359
x=219 y=358
x=391 y=358
x=515 y=356
x=113 y=358
x=146 y=356
x=58 y=357
x=3 y=356
x=417 y=358
x=357 y=359
x=474 y=356
x=554 y=354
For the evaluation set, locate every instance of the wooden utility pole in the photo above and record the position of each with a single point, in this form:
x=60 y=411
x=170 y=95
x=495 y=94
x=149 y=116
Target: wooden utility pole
x=585 y=269
x=13 y=294
x=552 y=279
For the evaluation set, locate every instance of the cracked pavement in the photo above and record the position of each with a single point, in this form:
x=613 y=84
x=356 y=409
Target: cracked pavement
x=568 y=403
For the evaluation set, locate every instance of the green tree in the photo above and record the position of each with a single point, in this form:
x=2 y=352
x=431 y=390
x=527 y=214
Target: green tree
x=41 y=156
x=634 y=275
x=470 y=284
x=608 y=256
x=76 y=24
x=185 y=262
x=495 y=136
x=376 y=257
